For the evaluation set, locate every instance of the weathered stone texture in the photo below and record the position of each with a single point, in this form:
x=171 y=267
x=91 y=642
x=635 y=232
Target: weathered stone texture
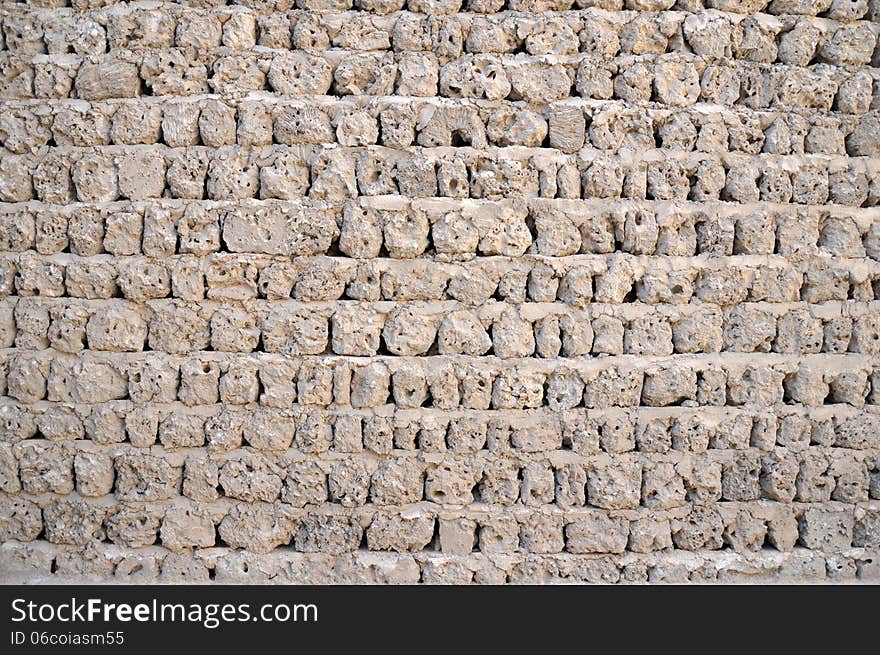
x=401 y=291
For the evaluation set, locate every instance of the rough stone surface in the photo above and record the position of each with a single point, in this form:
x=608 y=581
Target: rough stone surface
x=398 y=291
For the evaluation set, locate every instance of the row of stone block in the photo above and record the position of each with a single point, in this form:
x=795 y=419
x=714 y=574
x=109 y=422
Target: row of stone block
x=411 y=329
x=100 y=563
x=442 y=427
x=566 y=126
x=599 y=281
x=790 y=39
x=839 y=10
x=841 y=287
x=280 y=422
x=330 y=174
x=671 y=80
x=262 y=527
x=449 y=231
x=615 y=479
x=297 y=413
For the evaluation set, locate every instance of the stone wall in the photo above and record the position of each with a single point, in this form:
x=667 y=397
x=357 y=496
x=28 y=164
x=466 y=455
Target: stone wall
x=417 y=290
